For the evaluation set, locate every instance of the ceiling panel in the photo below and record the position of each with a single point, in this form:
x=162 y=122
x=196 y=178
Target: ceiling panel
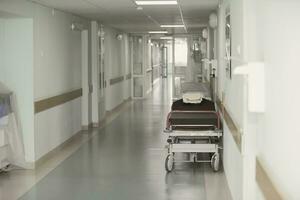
x=73 y=6
x=162 y=10
x=122 y=14
x=200 y=4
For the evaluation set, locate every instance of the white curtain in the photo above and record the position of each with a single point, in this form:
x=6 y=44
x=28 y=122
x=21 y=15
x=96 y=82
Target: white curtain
x=12 y=149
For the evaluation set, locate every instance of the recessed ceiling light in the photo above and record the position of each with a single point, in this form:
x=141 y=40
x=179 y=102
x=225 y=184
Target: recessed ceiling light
x=158 y=32
x=166 y=38
x=172 y=26
x=156 y=2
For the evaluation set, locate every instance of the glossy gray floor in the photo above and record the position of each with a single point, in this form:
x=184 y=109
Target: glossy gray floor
x=125 y=161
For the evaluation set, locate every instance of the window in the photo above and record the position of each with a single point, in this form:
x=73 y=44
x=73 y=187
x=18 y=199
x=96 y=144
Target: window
x=181 y=52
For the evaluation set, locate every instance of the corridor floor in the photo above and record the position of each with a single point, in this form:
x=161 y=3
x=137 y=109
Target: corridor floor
x=125 y=161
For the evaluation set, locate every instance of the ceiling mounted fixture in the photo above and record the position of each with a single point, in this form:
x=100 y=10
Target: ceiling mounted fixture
x=205 y=33
x=141 y=3
x=166 y=38
x=119 y=37
x=172 y=26
x=77 y=27
x=158 y=32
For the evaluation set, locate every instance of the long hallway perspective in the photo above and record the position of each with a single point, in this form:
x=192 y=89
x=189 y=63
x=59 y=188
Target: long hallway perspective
x=149 y=99
x=125 y=160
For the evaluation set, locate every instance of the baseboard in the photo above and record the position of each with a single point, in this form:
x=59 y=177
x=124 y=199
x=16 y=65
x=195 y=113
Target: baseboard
x=29 y=165
x=53 y=152
x=87 y=127
x=118 y=106
x=95 y=125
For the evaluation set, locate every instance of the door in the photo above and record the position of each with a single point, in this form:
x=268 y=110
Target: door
x=98 y=74
x=138 y=72
x=165 y=62
x=180 y=63
x=85 y=100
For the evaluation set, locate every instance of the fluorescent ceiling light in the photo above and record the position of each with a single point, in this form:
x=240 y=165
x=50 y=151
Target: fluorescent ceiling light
x=172 y=26
x=157 y=32
x=166 y=38
x=156 y=3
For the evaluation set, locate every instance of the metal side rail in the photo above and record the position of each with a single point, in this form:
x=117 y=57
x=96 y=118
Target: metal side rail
x=193 y=133
x=193 y=148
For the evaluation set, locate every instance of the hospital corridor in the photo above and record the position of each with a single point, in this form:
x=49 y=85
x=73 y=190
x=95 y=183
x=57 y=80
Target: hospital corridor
x=149 y=99
x=123 y=160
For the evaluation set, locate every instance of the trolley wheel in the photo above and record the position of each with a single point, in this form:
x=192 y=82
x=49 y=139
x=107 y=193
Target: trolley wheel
x=169 y=163
x=215 y=162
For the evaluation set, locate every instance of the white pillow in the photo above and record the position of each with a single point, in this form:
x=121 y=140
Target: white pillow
x=193 y=97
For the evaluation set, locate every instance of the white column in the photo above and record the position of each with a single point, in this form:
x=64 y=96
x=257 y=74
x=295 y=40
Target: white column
x=221 y=52
x=85 y=79
x=173 y=69
x=208 y=43
x=95 y=74
x=125 y=67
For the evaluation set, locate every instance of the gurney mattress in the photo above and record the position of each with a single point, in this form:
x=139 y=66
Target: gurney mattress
x=193 y=120
x=194 y=116
x=205 y=105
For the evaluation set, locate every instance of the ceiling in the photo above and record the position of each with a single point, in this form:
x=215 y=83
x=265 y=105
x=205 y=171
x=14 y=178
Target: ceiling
x=5 y=15
x=122 y=14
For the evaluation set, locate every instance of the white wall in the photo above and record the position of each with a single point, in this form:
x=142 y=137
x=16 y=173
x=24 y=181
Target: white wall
x=147 y=64
x=157 y=61
x=113 y=56
x=127 y=68
x=277 y=44
x=232 y=163
x=86 y=114
x=232 y=93
x=170 y=58
x=113 y=68
x=16 y=67
x=98 y=105
x=265 y=31
x=57 y=53
x=116 y=65
x=57 y=69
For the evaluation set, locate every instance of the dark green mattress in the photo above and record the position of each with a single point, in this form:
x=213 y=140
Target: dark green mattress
x=194 y=116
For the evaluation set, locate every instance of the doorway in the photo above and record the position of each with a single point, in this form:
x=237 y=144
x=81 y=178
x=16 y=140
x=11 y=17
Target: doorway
x=180 y=58
x=97 y=73
x=164 y=62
